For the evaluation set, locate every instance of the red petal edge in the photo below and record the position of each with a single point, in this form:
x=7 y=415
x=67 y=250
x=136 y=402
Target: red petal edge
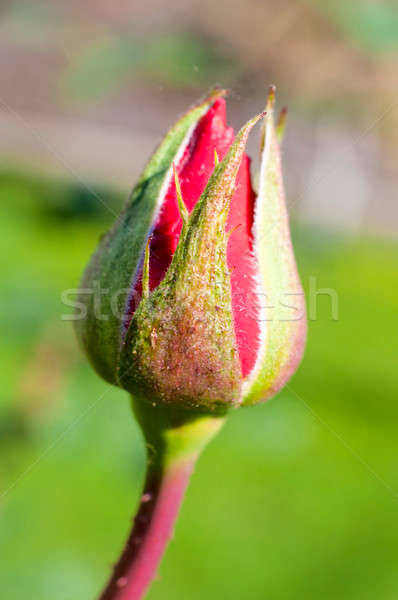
x=194 y=170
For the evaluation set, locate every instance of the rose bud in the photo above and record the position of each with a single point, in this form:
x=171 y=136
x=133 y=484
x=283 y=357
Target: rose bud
x=201 y=307
x=201 y=302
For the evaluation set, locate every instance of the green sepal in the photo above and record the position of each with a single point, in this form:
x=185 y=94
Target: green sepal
x=283 y=315
x=180 y=348
x=117 y=260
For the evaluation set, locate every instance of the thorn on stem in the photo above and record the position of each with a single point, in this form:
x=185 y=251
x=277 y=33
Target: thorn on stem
x=121 y=582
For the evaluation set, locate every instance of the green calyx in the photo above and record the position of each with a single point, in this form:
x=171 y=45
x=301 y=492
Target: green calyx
x=180 y=348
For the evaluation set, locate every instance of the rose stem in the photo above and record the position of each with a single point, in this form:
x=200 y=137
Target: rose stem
x=174 y=441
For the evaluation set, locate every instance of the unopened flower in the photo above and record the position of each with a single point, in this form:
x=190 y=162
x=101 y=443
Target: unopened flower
x=214 y=312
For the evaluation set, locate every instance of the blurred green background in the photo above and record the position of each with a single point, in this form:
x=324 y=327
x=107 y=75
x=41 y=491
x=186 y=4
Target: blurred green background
x=294 y=499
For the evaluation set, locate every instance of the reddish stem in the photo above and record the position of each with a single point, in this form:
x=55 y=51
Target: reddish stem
x=153 y=527
x=174 y=440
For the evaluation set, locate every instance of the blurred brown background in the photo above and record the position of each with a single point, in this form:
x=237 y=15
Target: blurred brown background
x=88 y=87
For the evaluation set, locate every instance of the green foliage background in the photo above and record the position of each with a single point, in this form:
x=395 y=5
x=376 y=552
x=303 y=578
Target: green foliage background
x=295 y=499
